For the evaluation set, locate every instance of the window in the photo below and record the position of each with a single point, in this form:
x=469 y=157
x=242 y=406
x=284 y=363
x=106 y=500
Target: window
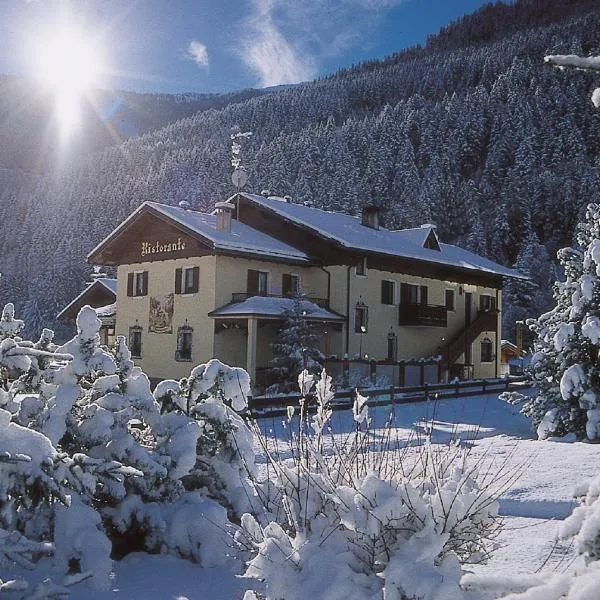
x=187 y=280
x=184 y=343
x=487 y=303
x=392 y=346
x=290 y=285
x=450 y=300
x=137 y=283
x=361 y=267
x=135 y=341
x=487 y=350
x=387 y=292
x=361 y=318
x=258 y=282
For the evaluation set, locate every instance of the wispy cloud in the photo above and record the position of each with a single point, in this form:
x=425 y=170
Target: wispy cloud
x=269 y=53
x=284 y=41
x=198 y=53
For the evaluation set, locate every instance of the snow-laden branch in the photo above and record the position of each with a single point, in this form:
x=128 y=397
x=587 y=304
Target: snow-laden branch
x=573 y=61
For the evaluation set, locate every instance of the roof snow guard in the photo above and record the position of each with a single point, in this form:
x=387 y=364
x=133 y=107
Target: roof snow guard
x=348 y=232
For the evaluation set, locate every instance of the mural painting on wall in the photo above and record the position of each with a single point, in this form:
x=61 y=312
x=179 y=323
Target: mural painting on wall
x=161 y=314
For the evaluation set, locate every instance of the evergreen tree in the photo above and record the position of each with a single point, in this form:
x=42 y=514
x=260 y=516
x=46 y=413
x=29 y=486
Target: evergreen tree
x=565 y=366
x=296 y=350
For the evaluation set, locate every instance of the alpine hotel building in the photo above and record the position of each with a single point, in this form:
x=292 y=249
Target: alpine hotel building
x=193 y=285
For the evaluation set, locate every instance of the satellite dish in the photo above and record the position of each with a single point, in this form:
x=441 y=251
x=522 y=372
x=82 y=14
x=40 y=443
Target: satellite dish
x=239 y=178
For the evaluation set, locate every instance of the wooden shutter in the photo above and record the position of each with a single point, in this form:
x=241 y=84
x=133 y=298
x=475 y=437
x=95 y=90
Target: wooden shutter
x=145 y=283
x=424 y=295
x=196 y=285
x=252 y=285
x=178 y=273
x=404 y=293
x=130 y=284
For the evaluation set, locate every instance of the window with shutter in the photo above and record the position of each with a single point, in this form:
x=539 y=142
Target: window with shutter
x=186 y=280
x=487 y=303
x=387 y=292
x=137 y=283
x=361 y=267
x=450 y=300
x=409 y=293
x=290 y=284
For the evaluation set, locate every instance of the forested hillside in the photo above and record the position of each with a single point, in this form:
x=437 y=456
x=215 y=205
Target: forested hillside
x=471 y=132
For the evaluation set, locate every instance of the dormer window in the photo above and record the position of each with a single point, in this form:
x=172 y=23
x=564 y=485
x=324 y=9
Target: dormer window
x=431 y=241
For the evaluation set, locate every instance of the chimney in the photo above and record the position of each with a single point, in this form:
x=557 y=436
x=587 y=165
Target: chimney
x=370 y=216
x=223 y=211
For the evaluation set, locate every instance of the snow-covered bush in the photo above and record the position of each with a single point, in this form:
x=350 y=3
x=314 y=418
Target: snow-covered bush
x=213 y=395
x=565 y=367
x=92 y=464
x=340 y=521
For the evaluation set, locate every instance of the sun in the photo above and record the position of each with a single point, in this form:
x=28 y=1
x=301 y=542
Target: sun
x=69 y=63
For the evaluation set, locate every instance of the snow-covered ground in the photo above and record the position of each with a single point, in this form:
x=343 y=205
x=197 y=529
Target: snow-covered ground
x=545 y=476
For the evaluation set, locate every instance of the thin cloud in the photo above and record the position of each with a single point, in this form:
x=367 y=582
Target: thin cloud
x=284 y=42
x=269 y=54
x=198 y=53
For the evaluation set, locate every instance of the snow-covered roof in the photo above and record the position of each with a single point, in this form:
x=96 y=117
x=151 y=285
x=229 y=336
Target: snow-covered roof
x=241 y=239
x=110 y=310
x=103 y=282
x=350 y=233
x=274 y=307
x=109 y=283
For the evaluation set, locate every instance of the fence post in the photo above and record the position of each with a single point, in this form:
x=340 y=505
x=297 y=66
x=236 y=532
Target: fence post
x=392 y=394
x=458 y=387
x=426 y=388
x=483 y=386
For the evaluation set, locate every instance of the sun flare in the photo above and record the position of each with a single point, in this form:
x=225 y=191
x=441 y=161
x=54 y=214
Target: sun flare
x=69 y=63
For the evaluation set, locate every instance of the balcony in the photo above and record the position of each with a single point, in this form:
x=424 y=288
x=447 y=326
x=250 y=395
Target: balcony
x=422 y=315
x=241 y=296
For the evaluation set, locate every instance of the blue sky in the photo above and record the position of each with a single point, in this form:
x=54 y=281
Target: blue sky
x=221 y=45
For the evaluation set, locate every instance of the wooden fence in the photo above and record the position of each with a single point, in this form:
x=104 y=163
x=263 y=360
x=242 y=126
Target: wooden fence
x=277 y=405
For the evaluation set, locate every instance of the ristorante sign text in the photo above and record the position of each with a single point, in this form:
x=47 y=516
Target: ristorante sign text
x=162 y=247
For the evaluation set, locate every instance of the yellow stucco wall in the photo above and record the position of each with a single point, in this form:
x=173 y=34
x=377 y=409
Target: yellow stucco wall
x=158 y=349
x=231 y=277
x=222 y=276
x=412 y=342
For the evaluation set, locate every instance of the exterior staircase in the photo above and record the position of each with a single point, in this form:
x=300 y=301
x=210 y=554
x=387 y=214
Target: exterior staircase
x=484 y=321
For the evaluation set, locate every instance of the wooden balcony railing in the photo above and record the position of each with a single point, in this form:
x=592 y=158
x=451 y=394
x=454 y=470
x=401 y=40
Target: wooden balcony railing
x=422 y=315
